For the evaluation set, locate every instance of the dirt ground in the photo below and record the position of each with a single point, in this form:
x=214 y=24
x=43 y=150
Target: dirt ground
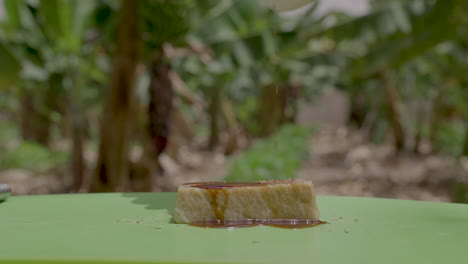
x=342 y=164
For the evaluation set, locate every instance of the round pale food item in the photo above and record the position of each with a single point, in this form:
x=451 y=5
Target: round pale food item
x=285 y=5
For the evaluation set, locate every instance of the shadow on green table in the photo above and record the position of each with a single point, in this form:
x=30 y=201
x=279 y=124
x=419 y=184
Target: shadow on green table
x=154 y=201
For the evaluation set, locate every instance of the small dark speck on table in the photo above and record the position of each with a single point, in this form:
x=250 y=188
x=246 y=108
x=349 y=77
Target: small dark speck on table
x=255 y=242
x=346 y=231
x=158 y=227
x=356 y=220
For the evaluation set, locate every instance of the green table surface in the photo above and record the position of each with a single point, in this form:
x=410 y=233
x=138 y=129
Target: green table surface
x=138 y=228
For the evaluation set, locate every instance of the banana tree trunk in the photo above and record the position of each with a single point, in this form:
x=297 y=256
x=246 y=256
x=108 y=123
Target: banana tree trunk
x=357 y=114
x=460 y=188
x=291 y=94
x=182 y=132
x=35 y=123
x=77 y=129
x=26 y=112
x=214 y=111
x=417 y=140
x=465 y=145
x=160 y=107
x=393 y=101
x=436 y=120
x=277 y=107
x=112 y=165
x=234 y=131
x=421 y=121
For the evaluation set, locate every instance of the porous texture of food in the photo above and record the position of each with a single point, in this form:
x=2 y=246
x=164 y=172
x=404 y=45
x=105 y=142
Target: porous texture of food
x=279 y=199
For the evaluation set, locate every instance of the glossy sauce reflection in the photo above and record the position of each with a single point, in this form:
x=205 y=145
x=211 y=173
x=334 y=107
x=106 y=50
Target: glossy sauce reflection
x=281 y=223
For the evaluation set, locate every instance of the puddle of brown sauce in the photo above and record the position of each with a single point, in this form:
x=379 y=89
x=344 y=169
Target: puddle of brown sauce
x=281 y=223
x=217 y=187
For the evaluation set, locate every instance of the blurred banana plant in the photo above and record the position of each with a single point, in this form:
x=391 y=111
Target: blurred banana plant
x=10 y=68
x=54 y=59
x=285 y=5
x=396 y=32
x=255 y=50
x=352 y=50
x=390 y=37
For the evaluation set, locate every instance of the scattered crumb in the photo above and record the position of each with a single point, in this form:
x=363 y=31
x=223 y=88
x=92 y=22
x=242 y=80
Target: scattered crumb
x=356 y=220
x=255 y=242
x=139 y=221
x=158 y=227
x=340 y=217
x=346 y=231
